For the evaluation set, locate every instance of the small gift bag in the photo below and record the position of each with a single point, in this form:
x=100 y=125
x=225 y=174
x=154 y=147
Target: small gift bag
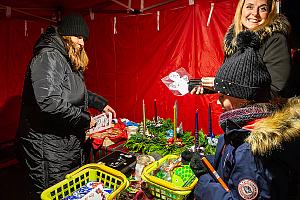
x=177 y=82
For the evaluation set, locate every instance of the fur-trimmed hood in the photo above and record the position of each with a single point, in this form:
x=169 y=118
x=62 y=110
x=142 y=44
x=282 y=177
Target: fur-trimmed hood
x=280 y=128
x=280 y=24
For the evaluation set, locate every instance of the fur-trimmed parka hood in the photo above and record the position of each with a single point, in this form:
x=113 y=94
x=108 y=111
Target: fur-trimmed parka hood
x=280 y=24
x=281 y=128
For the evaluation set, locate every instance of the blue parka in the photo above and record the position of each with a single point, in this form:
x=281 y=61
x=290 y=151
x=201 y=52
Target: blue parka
x=262 y=163
x=235 y=164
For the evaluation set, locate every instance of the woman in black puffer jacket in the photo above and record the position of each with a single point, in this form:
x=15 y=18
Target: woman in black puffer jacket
x=55 y=100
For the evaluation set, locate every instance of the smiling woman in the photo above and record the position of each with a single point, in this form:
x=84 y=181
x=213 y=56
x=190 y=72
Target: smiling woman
x=254 y=13
x=272 y=28
x=261 y=17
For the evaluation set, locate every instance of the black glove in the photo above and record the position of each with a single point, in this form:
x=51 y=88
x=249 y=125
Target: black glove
x=186 y=157
x=197 y=166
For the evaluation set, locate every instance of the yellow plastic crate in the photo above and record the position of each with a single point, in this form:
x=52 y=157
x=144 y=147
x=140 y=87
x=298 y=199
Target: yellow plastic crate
x=162 y=189
x=110 y=178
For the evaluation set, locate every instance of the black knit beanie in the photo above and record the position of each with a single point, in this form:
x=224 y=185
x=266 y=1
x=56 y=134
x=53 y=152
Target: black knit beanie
x=244 y=74
x=73 y=25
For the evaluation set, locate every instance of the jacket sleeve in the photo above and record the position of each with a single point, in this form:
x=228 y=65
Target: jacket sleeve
x=278 y=61
x=208 y=188
x=47 y=75
x=96 y=101
x=246 y=181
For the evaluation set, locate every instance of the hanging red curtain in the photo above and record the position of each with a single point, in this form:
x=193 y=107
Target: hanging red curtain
x=127 y=63
x=127 y=67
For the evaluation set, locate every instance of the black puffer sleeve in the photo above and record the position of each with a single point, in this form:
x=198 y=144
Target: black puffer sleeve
x=47 y=75
x=96 y=101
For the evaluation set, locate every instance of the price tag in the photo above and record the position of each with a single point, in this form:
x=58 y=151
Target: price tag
x=103 y=122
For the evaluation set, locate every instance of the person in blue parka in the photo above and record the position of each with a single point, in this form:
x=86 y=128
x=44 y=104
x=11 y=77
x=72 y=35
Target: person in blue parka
x=257 y=154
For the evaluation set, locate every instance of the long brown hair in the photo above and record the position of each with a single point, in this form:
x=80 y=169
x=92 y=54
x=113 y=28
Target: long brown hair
x=238 y=26
x=77 y=56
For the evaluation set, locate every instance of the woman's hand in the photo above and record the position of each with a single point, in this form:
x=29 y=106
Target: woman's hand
x=108 y=109
x=206 y=82
x=92 y=123
x=197 y=90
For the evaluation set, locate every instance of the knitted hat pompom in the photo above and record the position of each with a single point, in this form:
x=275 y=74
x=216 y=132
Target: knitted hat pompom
x=247 y=39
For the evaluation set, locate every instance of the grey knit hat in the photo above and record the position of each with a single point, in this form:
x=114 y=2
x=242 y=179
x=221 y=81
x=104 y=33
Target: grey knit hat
x=73 y=25
x=244 y=74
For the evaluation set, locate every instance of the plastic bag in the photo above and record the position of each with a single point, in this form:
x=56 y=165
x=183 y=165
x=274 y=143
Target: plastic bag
x=177 y=82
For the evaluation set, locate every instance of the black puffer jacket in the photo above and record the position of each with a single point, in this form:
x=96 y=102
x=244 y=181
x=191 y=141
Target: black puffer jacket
x=54 y=113
x=274 y=51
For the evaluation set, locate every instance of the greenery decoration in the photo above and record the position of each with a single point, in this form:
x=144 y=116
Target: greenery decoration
x=156 y=139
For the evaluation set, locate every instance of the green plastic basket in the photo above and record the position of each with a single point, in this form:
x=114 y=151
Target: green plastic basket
x=162 y=189
x=110 y=178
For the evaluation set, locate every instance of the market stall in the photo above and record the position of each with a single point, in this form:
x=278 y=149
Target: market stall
x=149 y=156
x=133 y=46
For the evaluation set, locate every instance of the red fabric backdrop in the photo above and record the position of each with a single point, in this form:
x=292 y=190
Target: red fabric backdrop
x=127 y=67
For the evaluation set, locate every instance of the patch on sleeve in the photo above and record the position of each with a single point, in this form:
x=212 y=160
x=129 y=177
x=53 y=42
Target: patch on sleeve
x=248 y=189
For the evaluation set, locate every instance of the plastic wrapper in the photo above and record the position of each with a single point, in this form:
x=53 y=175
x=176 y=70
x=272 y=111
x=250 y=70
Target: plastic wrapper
x=115 y=134
x=177 y=82
x=90 y=191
